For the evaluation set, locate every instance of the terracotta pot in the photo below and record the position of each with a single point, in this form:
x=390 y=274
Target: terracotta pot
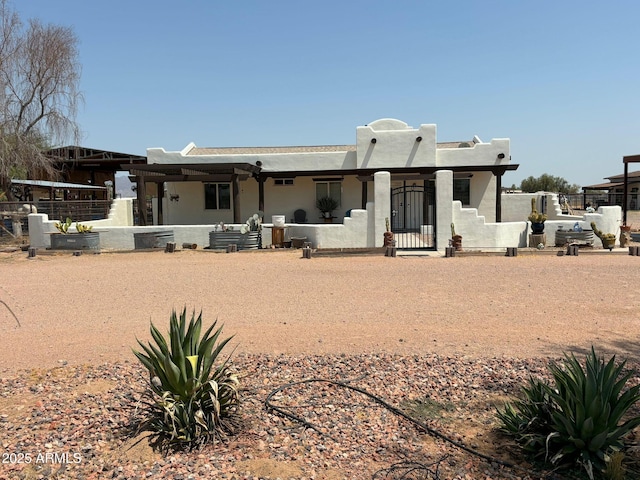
x=625 y=235
x=388 y=239
x=456 y=242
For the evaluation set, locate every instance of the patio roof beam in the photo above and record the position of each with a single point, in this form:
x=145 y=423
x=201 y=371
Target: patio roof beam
x=366 y=173
x=143 y=173
x=195 y=178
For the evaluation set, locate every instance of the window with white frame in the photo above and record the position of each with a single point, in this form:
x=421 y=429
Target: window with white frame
x=329 y=188
x=217 y=196
x=283 y=181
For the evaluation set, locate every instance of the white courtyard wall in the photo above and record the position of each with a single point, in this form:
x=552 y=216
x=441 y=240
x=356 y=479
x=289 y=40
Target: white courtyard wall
x=363 y=229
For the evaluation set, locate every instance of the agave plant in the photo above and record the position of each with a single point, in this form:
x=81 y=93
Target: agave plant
x=528 y=419
x=327 y=204
x=590 y=407
x=580 y=418
x=189 y=400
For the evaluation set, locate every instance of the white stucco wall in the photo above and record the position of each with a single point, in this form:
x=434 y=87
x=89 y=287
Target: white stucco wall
x=478 y=234
x=272 y=162
x=40 y=227
x=396 y=145
x=483 y=194
x=364 y=228
x=279 y=200
x=478 y=154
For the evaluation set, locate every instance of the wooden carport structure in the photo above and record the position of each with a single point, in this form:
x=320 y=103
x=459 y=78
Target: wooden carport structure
x=626 y=161
x=90 y=166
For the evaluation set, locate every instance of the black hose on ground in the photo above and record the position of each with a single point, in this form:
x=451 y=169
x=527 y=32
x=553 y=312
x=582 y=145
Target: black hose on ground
x=11 y=311
x=434 y=433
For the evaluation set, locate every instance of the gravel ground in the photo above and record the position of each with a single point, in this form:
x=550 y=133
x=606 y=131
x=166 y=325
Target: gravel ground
x=83 y=415
x=444 y=339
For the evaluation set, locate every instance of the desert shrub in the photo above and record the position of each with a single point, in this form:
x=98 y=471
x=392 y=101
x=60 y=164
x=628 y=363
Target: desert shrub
x=578 y=419
x=189 y=399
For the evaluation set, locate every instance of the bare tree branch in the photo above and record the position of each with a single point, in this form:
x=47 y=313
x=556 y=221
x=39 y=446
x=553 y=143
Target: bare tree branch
x=39 y=95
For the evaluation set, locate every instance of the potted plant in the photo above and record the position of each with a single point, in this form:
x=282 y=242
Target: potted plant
x=83 y=238
x=327 y=205
x=388 y=234
x=537 y=219
x=247 y=237
x=456 y=240
x=625 y=235
x=608 y=239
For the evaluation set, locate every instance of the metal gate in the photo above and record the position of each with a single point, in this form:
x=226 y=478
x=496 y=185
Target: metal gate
x=413 y=216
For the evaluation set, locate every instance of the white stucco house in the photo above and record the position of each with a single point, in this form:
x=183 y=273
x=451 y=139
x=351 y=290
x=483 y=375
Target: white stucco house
x=210 y=185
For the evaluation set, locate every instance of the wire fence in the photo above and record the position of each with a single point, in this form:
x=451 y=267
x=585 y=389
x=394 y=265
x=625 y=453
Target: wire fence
x=580 y=201
x=76 y=210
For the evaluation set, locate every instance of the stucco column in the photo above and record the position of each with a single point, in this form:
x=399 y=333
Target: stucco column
x=444 y=208
x=38 y=236
x=382 y=205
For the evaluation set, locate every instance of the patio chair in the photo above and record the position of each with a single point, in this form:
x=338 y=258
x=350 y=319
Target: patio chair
x=300 y=216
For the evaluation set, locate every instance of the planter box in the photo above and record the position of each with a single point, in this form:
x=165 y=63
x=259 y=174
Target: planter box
x=584 y=237
x=246 y=241
x=152 y=239
x=298 y=242
x=75 y=241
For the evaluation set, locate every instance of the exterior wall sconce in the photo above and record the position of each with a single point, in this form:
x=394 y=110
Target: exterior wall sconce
x=501 y=156
x=174 y=198
x=418 y=139
x=373 y=140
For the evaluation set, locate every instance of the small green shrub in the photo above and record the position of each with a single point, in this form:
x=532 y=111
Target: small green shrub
x=189 y=400
x=578 y=419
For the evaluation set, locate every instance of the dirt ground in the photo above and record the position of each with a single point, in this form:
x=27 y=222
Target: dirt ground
x=91 y=308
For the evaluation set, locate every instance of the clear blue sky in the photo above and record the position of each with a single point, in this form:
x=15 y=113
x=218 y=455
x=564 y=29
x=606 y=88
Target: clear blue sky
x=559 y=78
